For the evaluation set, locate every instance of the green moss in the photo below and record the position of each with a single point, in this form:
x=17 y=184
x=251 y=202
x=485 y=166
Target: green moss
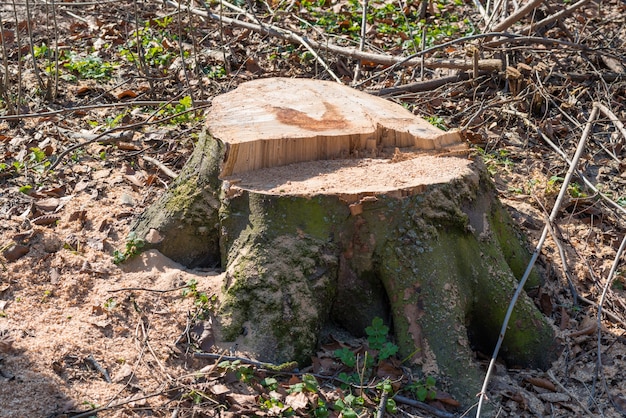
x=513 y=246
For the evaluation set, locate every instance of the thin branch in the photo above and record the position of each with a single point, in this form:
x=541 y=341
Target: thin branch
x=90 y=107
x=421 y=85
x=354 y=53
x=161 y=166
x=518 y=15
x=424 y=407
x=544 y=234
x=560 y=152
x=570 y=394
x=108 y=132
x=609 y=280
x=357 y=71
x=266 y=29
x=552 y=18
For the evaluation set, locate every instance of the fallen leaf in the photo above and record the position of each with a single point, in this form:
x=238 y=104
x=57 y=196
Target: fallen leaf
x=541 y=383
x=297 y=400
x=127 y=94
x=47 y=205
x=15 y=252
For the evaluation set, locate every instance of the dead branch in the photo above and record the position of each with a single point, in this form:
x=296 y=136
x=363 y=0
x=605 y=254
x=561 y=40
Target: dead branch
x=161 y=166
x=354 y=53
x=553 y=214
x=421 y=86
x=515 y=17
x=553 y=18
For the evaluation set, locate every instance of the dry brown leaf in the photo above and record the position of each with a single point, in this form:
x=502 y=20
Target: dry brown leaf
x=127 y=94
x=541 y=383
x=297 y=400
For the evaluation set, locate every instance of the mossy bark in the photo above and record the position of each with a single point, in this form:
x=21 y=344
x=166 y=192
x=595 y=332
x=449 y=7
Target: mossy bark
x=441 y=265
x=186 y=215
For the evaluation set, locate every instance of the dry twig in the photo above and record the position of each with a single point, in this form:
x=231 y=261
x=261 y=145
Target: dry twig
x=555 y=210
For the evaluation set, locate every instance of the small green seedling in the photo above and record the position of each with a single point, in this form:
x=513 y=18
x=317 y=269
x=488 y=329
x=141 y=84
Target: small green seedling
x=242 y=372
x=132 y=248
x=423 y=391
x=377 y=334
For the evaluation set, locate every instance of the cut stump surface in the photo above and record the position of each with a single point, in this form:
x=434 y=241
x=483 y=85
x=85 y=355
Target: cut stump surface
x=326 y=206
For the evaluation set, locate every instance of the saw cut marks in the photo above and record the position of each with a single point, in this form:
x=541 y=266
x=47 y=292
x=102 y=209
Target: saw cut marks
x=279 y=121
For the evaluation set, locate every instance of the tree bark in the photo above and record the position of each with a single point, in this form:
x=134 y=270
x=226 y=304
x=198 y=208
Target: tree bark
x=436 y=255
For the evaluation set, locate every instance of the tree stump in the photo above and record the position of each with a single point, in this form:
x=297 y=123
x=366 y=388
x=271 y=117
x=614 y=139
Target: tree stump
x=327 y=205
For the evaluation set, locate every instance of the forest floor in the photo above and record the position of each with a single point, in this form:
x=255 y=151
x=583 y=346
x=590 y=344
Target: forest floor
x=99 y=101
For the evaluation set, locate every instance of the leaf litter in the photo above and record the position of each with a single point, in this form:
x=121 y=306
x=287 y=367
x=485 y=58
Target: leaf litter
x=68 y=313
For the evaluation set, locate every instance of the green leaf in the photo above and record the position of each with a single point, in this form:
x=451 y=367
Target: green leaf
x=391 y=406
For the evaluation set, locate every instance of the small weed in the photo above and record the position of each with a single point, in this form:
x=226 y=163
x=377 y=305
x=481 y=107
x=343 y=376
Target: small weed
x=157 y=49
x=438 y=122
x=132 y=248
x=496 y=160
x=244 y=373
x=201 y=300
x=110 y=304
x=350 y=406
x=308 y=384
x=346 y=356
x=46 y=296
x=385 y=387
x=87 y=67
x=423 y=391
x=183 y=105
x=270 y=383
x=575 y=191
x=377 y=334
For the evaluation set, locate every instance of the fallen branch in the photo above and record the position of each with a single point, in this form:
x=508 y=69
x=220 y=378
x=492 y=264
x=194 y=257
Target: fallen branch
x=354 y=53
x=424 y=407
x=112 y=137
x=119 y=128
x=570 y=394
x=555 y=210
x=518 y=15
x=421 y=85
x=161 y=166
x=553 y=18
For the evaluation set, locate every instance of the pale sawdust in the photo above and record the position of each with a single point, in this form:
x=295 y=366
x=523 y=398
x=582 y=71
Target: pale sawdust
x=363 y=176
x=61 y=306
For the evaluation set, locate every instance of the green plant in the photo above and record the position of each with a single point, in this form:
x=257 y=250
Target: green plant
x=201 y=299
x=46 y=294
x=385 y=387
x=350 y=406
x=575 y=191
x=110 y=304
x=152 y=45
x=377 y=334
x=37 y=160
x=346 y=356
x=270 y=383
x=244 y=373
x=423 y=391
x=132 y=248
x=438 y=122
x=494 y=160
x=308 y=384
x=87 y=67
x=183 y=105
